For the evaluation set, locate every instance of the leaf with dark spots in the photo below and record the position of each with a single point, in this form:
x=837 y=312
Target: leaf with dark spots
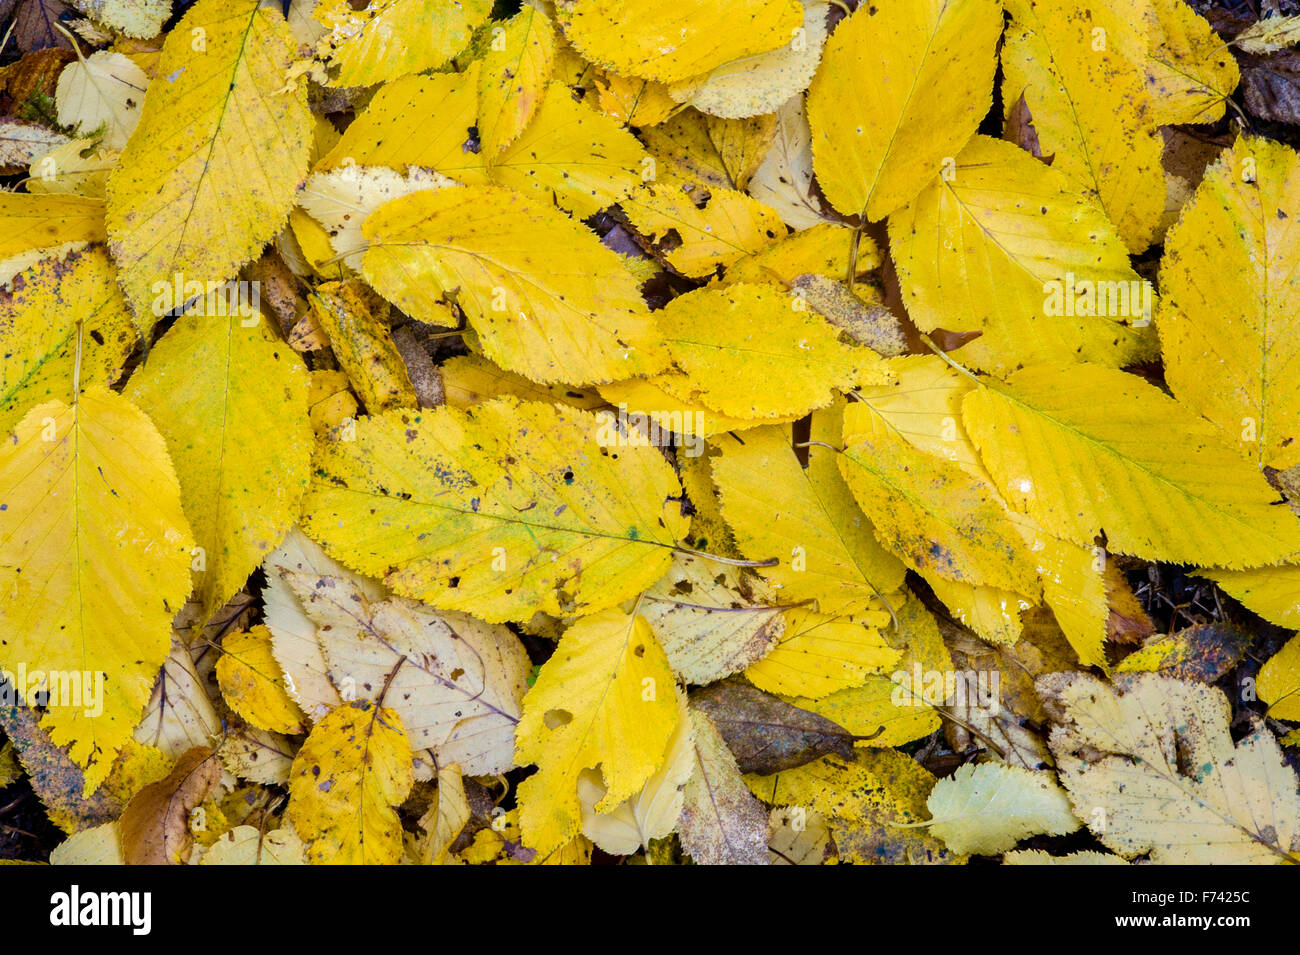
x=766 y=734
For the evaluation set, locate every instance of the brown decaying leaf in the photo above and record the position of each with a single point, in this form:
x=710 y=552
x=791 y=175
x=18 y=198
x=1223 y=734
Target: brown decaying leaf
x=156 y=822
x=764 y=733
x=722 y=823
x=57 y=780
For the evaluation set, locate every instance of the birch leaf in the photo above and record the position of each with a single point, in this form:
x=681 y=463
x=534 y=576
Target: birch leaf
x=571 y=155
x=252 y=684
x=386 y=39
x=1155 y=756
x=922 y=76
x=468 y=495
x=653 y=812
x=515 y=75
x=805 y=517
x=1153 y=476
x=986 y=809
x=730 y=342
x=546 y=299
x=977 y=254
x=605 y=699
x=672 y=42
x=722 y=823
x=1071 y=62
x=1279 y=682
x=94 y=480
x=347 y=779
x=1230 y=344
x=231 y=402
x=453 y=681
x=932 y=514
x=759 y=84
x=208 y=176
x=39 y=315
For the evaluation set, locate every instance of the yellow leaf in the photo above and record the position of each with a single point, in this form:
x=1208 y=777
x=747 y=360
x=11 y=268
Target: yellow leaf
x=806 y=517
x=1190 y=73
x=248 y=845
x=39 y=314
x=921 y=75
x=741 y=144
x=932 y=514
x=469 y=379
x=347 y=779
x=668 y=42
x=198 y=193
x=825 y=249
x=647 y=403
x=733 y=342
x=98 y=845
x=819 y=654
x=632 y=100
x=758 y=84
x=393 y=132
x=91 y=508
x=1091 y=109
x=685 y=147
x=514 y=77
x=1009 y=248
x=864 y=800
x=78 y=168
x=1272 y=592
x=329 y=402
x=341 y=200
x=386 y=39
x=922 y=405
x=713 y=228
x=1279 y=682
x=883 y=702
x=1269 y=34
x=545 y=297
x=605 y=698
x=446 y=818
x=572 y=156
x=1082 y=449
x=992 y=612
x=1230 y=321
x=986 y=809
x=651 y=813
x=231 y=402
x=363 y=344
x=505 y=509
x=44 y=222
x=252 y=683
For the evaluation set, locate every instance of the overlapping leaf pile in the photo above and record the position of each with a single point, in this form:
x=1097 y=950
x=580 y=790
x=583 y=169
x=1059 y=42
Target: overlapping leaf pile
x=732 y=431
